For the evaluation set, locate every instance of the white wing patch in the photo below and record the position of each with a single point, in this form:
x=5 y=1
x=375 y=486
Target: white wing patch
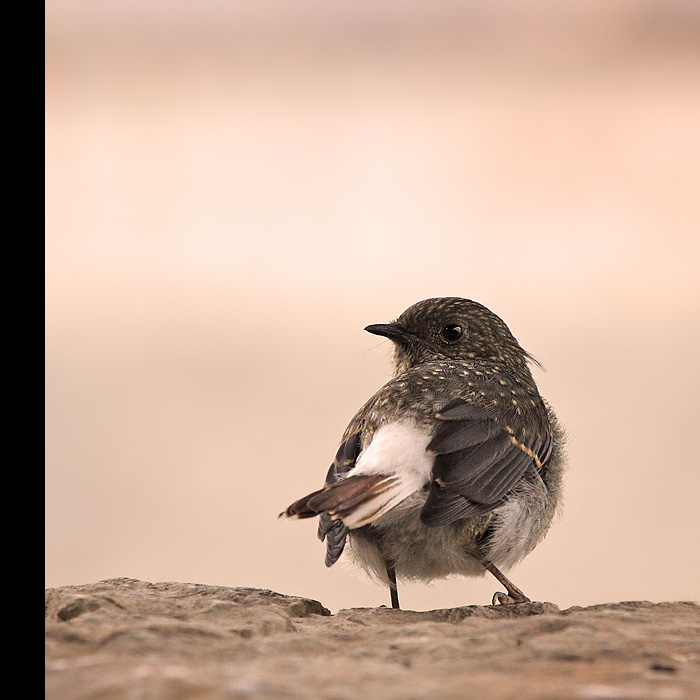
x=399 y=451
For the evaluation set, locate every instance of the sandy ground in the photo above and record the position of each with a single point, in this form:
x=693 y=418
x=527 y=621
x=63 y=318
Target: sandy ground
x=124 y=638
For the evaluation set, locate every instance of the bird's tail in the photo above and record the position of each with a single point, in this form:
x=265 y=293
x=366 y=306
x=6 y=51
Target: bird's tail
x=356 y=500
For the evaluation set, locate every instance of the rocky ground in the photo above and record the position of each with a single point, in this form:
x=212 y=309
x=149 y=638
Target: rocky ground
x=134 y=640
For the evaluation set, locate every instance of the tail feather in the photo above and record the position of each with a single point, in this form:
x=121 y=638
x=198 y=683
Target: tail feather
x=355 y=500
x=300 y=508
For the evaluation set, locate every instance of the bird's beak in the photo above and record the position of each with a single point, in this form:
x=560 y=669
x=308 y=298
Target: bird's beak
x=390 y=330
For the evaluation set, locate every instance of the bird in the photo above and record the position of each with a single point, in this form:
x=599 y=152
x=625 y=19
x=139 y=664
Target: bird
x=455 y=466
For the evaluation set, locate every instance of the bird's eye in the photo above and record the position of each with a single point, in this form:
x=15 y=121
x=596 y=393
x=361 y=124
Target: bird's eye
x=452 y=332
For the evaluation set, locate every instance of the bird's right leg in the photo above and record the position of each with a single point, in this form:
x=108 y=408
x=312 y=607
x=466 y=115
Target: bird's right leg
x=393 y=590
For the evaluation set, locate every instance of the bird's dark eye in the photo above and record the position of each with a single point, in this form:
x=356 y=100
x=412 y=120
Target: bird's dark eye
x=452 y=332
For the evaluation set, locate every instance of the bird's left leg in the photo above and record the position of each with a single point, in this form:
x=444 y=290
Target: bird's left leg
x=515 y=595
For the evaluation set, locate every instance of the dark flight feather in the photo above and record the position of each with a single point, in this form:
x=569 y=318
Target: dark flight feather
x=335 y=537
x=443 y=508
x=462 y=434
x=332 y=531
x=476 y=464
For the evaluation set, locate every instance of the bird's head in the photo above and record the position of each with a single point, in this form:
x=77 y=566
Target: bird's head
x=451 y=328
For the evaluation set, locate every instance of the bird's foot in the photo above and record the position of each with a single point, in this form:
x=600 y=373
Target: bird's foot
x=514 y=598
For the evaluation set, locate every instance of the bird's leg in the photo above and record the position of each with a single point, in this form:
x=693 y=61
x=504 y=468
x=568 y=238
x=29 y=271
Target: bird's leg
x=393 y=590
x=515 y=595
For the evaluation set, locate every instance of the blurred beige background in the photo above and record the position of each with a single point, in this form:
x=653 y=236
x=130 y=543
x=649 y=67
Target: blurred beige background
x=235 y=189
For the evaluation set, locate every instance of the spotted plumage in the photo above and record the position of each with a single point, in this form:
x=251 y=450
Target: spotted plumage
x=454 y=466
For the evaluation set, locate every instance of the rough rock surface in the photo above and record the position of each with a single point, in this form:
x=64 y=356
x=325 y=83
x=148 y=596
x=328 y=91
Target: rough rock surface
x=133 y=640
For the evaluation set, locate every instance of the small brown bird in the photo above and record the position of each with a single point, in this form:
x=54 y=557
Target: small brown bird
x=454 y=466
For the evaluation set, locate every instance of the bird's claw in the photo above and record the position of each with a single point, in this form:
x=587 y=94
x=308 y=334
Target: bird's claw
x=500 y=598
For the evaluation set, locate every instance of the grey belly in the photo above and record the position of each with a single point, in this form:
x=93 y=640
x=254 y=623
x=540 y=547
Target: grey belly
x=418 y=552
x=504 y=536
